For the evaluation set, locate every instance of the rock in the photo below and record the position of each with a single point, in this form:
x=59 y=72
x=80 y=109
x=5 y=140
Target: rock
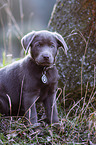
x=75 y=20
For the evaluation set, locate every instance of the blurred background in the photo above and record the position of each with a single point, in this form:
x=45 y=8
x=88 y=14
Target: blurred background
x=18 y=17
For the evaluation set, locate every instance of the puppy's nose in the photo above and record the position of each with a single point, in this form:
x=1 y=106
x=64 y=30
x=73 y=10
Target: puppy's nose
x=46 y=56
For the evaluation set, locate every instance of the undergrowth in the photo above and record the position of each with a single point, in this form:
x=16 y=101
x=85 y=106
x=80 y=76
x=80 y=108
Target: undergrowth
x=77 y=125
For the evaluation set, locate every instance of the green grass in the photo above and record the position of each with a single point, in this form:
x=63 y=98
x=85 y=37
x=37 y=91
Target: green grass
x=77 y=125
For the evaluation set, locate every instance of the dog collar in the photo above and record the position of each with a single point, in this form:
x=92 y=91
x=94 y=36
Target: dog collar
x=44 y=77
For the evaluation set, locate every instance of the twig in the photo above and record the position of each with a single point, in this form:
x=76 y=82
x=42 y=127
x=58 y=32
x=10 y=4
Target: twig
x=4 y=5
x=3 y=28
x=8 y=11
x=9 y=29
x=21 y=14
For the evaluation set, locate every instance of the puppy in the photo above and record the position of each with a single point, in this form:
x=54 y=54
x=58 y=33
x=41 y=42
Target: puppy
x=32 y=78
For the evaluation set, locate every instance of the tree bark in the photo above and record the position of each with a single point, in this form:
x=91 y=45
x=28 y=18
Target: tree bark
x=76 y=21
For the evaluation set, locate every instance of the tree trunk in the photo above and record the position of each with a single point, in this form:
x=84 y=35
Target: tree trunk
x=76 y=21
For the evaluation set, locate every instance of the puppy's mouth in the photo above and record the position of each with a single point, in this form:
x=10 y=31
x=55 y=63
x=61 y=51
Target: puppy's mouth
x=45 y=60
x=44 y=63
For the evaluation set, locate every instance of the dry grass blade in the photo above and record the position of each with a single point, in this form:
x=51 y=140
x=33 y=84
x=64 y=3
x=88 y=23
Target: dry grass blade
x=54 y=102
x=10 y=104
x=86 y=42
x=30 y=109
x=74 y=107
x=94 y=74
x=21 y=95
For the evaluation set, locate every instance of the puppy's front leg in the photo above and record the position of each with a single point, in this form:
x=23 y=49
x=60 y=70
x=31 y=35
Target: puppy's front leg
x=51 y=108
x=32 y=113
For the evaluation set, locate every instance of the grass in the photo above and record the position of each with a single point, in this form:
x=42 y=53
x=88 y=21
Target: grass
x=77 y=125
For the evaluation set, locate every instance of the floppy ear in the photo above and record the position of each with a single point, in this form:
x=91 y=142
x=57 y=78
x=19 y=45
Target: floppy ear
x=27 y=39
x=61 y=42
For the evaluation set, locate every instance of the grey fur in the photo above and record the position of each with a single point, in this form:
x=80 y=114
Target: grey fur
x=21 y=80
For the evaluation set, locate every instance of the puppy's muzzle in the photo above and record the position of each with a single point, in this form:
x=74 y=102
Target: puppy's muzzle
x=45 y=58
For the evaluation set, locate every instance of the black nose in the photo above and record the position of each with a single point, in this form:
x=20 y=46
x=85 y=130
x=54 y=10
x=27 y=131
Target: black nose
x=45 y=56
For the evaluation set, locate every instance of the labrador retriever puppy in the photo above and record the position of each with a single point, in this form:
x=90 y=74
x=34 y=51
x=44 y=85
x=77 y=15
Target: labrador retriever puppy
x=32 y=78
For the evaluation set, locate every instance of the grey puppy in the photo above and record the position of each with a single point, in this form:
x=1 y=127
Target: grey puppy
x=32 y=78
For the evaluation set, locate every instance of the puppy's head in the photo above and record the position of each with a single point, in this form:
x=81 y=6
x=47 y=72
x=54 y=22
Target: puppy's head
x=43 y=46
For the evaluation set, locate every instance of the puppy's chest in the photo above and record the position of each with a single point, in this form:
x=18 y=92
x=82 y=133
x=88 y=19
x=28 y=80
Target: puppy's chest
x=39 y=81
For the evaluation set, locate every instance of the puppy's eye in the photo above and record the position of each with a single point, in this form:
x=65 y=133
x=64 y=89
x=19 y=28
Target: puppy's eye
x=37 y=44
x=52 y=46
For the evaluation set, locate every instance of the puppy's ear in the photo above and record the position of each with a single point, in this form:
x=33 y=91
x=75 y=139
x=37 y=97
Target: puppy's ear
x=27 y=39
x=61 y=42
